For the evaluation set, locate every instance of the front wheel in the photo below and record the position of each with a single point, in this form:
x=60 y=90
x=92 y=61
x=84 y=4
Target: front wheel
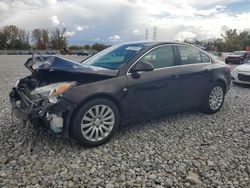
x=215 y=99
x=96 y=122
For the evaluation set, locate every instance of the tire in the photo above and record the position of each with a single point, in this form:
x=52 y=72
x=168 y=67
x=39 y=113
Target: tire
x=210 y=105
x=95 y=122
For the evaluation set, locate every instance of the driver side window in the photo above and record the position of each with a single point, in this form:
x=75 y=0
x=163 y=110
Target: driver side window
x=160 y=57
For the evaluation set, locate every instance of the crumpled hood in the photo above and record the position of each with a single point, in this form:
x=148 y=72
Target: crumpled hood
x=244 y=67
x=56 y=63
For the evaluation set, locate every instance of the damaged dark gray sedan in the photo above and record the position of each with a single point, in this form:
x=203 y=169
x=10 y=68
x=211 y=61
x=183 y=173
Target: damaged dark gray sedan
x=88 y=101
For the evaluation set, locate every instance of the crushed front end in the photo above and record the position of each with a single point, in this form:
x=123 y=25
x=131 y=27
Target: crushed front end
x=41 y=97
x=42 y=105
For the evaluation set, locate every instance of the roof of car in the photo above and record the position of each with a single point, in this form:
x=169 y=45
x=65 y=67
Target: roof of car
x=153 y=43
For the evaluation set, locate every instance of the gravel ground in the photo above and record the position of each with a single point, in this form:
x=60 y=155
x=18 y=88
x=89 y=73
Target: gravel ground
x=183 y=150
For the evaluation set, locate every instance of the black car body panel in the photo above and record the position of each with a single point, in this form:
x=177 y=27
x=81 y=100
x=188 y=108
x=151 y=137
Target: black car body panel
x=138 y=95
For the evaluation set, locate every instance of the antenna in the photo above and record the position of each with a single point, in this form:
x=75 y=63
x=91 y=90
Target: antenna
x=146 y=34
x=155 y=34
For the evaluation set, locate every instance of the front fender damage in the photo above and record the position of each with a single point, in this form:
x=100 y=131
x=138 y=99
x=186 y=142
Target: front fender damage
x=59 y=116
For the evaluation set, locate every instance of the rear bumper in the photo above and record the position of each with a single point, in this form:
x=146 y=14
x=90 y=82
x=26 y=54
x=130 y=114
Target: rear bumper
x=54 y=116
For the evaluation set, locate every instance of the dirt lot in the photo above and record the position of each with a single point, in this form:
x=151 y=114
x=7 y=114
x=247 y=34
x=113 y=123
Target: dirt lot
x=180 y=150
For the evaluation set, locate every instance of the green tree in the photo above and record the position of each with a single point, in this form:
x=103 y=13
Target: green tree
x=99 y=47
x=244 y=39
x=87 y=47
x=230 y=38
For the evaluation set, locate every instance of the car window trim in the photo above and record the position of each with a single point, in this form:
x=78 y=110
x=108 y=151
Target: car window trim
x=176 y=66
x=144 y=54
x=195 y=48
x=176 y=63
x=206 y=55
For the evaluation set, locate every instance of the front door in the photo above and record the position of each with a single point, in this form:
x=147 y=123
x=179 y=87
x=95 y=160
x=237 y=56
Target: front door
x=158 y=90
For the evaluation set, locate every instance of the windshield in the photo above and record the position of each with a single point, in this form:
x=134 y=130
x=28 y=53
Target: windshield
x=114 y=57
x=238 y=53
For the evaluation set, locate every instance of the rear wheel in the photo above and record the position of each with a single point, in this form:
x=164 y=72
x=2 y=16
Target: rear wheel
x=215 y=99
x=96 y=122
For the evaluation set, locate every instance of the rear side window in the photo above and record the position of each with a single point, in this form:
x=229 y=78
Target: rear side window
x=160 y=57
x=189 y=55
x=205 y=58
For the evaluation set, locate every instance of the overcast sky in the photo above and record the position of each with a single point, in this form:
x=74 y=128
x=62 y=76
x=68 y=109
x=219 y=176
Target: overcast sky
x=114 y=21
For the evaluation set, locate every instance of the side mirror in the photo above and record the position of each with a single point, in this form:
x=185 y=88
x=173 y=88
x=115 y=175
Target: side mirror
x=142 y=66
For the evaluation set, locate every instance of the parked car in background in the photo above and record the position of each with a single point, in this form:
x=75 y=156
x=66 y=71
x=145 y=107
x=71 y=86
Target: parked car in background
x=238 y=57
x=241 y=74
x=51 y=52
x=82 y=53
x=124 y=83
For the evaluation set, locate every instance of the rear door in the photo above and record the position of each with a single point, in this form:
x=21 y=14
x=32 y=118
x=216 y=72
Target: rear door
x=195 y=75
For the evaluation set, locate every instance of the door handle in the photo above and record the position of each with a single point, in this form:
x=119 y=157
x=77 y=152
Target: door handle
x=174 y=77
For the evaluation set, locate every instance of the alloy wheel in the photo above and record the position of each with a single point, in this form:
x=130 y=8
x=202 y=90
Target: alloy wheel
x=216 y=98
x=97 y=123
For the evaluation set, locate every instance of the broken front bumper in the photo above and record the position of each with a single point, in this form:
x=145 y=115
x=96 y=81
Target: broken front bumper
x=54 y=116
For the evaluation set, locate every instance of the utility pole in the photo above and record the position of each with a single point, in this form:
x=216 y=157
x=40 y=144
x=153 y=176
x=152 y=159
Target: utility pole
x=146 y=34
x=155 y=34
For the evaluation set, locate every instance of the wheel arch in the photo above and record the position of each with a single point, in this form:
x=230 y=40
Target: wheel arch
x=223 y=82
x=92 y=97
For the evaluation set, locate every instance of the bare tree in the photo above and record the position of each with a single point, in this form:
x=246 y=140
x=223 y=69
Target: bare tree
x=3 y=41
x=13 y=37
x=40 y=38
x=58 y=39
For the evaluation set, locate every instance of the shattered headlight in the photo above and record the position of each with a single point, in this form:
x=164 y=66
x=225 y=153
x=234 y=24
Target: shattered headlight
x=53 y=91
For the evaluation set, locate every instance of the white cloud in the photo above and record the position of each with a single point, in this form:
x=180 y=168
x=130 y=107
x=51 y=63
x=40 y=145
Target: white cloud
x=55 y=20
x=52 y=2
x=3 y=8
x=96 y=39
x=81 y=27
x=136 y=32
x=209 y=12
x=70 y=33
x=173 y=18
x=185 y=35
x=114 y=38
